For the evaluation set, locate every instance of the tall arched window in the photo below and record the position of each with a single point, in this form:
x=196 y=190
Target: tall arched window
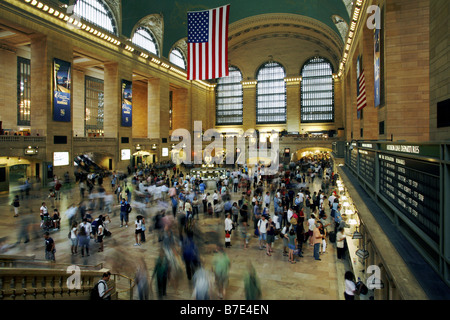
x=144 y=38
x=96 y=12
x=177 y=58
x=317 y=91
x=271 y=94
x=229 y=98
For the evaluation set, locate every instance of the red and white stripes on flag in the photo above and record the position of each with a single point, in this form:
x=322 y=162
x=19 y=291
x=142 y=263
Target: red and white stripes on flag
x=361 y=101
x=208 y=44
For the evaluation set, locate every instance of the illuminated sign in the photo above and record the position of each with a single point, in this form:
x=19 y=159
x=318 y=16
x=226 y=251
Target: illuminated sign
x=60 y=159
x=403 y=148
x=125 y=154
x=165 y=152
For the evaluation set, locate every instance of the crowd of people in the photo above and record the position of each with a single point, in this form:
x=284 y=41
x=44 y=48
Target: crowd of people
x=168 y=203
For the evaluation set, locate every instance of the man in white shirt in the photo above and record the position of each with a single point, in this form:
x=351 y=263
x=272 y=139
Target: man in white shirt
x=103 y=290
x=43 y=211
x=331 y=199
x=311 y=226
x=262 y=228
x=267 y=199
x=290 y=213
x=188 y=208
x=228 y=229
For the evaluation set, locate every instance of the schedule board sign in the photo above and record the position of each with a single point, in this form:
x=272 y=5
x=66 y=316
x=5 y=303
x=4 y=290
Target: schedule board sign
x=412 y=186
x=367 y=165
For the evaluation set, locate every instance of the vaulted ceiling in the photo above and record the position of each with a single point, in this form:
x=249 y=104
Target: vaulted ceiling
x=174 y=13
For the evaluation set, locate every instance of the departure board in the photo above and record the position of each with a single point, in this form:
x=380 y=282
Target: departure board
x=367 y=165
x=354 y=159
x=413 y=187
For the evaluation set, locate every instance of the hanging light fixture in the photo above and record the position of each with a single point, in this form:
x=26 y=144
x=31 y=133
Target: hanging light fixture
x=357 y=234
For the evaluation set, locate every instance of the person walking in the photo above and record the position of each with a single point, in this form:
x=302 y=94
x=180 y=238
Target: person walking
x=252 y=286
x=100 y=234
x=283 y=234
x=340 y=243
x=73 y=235
x=228 y=229
x=292 y=239
x=350 y=286
x=84 y=236
x=50 y=247
x=221 y=266
x=262 y=228
x=124 y=211
x=16 y=205
x=138 y=230
x=244 y=232
x=317 y=240
x=270 y=236
x=161 y=272
x=103 y=291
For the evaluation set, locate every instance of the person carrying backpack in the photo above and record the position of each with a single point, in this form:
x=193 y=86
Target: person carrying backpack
x=101 y=290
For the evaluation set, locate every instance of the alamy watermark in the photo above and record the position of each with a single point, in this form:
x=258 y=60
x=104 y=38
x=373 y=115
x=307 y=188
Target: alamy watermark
x=74 y=280
x=374 y=19
x=246 y=145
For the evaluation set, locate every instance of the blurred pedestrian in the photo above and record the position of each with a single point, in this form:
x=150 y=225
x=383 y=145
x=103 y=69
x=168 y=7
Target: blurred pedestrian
x=16 y=205
x=202 y=280
x=161 y=272
x=252 y=285
x=221 y=266
x=141 y=281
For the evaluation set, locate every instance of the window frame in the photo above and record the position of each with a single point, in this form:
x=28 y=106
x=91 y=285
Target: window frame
x=259 y=82
x=82 y=6
x=303 y=93
x=23 y=63
x=231 y=70
x=86 y=98
x=182 y=57
x=152 y=39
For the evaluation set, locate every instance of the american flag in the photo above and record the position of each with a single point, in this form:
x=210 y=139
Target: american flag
x=208 y=44
x=361 y=99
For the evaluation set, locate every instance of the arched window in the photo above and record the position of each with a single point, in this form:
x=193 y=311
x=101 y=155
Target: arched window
x=177 y=58
x=271 y=94
x=144 y=38
x=317 y=91
x=96 y=12
x=229 y=98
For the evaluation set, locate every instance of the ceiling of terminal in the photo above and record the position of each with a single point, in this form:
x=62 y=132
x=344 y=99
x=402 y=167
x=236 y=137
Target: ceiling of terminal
x=175 y=19
x=334 y=14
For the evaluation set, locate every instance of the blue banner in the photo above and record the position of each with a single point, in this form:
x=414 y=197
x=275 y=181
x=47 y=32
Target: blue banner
x=61 y=90
x=127 y=107
x=377 y=67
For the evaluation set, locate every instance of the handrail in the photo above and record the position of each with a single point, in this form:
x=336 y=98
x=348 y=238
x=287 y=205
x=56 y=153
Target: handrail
x=130 y=289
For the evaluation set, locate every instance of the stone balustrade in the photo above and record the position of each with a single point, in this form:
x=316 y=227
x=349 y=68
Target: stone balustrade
x=48 y=284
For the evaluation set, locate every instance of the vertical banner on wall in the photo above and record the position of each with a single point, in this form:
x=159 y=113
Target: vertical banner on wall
x=61 y=90
x=377 y=66
x=127 y=98
x=358 y=73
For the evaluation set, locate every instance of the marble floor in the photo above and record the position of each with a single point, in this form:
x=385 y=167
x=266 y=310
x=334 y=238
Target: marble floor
x=308 y=279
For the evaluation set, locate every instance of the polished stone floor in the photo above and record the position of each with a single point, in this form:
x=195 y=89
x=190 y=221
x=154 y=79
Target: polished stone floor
x=308 y=279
